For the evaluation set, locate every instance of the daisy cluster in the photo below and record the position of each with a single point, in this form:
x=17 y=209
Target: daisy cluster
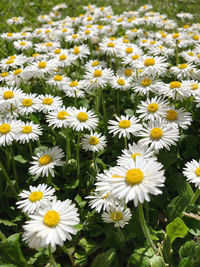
x=58 y=75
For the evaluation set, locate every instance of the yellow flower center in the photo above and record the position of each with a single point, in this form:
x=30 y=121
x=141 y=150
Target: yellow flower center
x=108 y=16
x=82 y=116
x=152 y=42
x=134 y=30
x=89 y=18
x=18 y=71
x=73 y=84
x=64 y=30
x=89 y=26
x=35 y=55
x=133 y=156
x=45 y=159
x=128 y=72
x=27 y=129
x=156 y=133
x=35 y=196
x=97 y=73
x=62 y=57
x=119 y=20
x=39 y=31
x=76 y=50
x=135 y=57
x=197 y=171
x=190 y=53
x=134 y=176
x=10 y=61
x=47 y=31
x=74 y=36
x=8 y=94
x=124 y=124
x=57 y=51
x=48 y=44
x=51 y=218
x=9 y=34
x=42 y=65
x=112 y=38
x=22 y=43
x=4 y=74
x=4 y=128
x=27 y=102
x=120 y=81
x=195 y=86
x=87 y=32
x=146 y=82
x=95 y=63
x=62 y=115
x=175 y=35
x=102 y=8
x=163 y=35
x=93 y=140
x=182 y=66
x=116 y=216
x=171 y=115
x=196 y=37
x=47 y=101
x=186 y=26
x=175 y=84
x=110 y=45
x=129 y=50
x=57 y=78
x=149 y=62
x=153 y=107
x=99 y=27
x=198 y=55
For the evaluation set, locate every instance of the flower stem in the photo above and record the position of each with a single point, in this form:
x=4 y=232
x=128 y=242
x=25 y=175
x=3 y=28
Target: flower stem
x=77 y=154
x=14 y=167
x=118 y=106
x=125 y=142
x=8 y=180
x=194 y=198
x=103 y=106
x=30 y=148
x=97 y=101
x=95 y=163
x=53 y=263
x=68 y=155
x=144 y=227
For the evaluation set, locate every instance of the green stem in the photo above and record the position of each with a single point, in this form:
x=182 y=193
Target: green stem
x=68 y=155
x=8 y=180
x=53 y=263
x=103 y=106
x=95 y=163
x=144 y=227
x=177 y=58
x=147 y=211
x=2 y=237
x=30 y=148
x=125 y=142
x=77 y=154
x=75 y=100
x=118 y=107
x=97 y=101
x=195 y=196
x=14 y=167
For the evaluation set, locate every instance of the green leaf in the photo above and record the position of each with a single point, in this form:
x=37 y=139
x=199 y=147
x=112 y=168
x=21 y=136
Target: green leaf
x=10 y=251
x=89 y=246
x=168 y=158
x=81 y=258
x=80 y=202
x=156 y=261
x=104 y=259
x=141 y=257
x=175 y=229
x=7 y=223
x=20 y=159
x=129 y=112
x=186 y=262
x=187 y=249
x=176 y=207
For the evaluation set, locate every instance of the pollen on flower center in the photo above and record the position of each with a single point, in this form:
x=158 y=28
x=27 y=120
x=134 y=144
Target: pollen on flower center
x=27 y=102
x=156 y=133
x=42 y=65
x=134 y=57
x=175 y=35
x=133 y=156
x=182 y=66
x=87 y=32
x=10 y=61
x=76 y=50
x=45 y=159
x=146 y=82
x=27 y=129
x=116 y=216
x=97 y=73
x=175 y=84
x=35 y=196
x=57 y=78
x=18 y=71
x=74 y=36
x=129 y=50
x=62 y=115
x=51 y=218
x=82 y=116
x=171 y=115
x=95 y=63
x=110 y=45
x=62 y=57
x=128 y=72
x=121 y=81
x=48 y=44
x=153 y=107
x=22 y=43
x=197 y=171
x=93 y=140
x=124 y=124
x=4 y=74
x=149 y=62
x=8 y=94
x=57 y=51
x=47 y=101
x=73 y=84
x=195 y=86
x=4 y=128
x=134 y=176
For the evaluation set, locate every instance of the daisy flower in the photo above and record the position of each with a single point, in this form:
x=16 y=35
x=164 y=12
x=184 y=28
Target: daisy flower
x=60 y=117
x=15 y=20
x=118 y=215
x=80 y=52
x=152 y=109
x=193 y=86
x=47 y=103
x=57 y=81
x=29 y=132
x=9 y=131
x=174 y=90
x=44 y=162
x=159 y=134
x=136 y=179
x=17 y=76
x=11 y=95
x=121 y=83
x=81 y=119
x=184 y=71
x=93 y=142
x=52 y=225
x=192 y=172
x=29 y=104
x=36 y=197
x=124 y=125
x=109 y=47
x=41 y=68
x=22 y=45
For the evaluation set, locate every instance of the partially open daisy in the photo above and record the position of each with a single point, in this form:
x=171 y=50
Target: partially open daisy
x=93 y=142
x=52 y=225
x=118 y=215
x=124 y=126
x=159 y=134
x=44 y=162
x=192 y=172
x=36 y=197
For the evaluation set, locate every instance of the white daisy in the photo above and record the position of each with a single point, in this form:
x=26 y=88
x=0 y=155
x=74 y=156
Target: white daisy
x=44 y=162
x=47 y=103
x=93 y=142
x=29 y=104
x=184 y=71
x=192 y=172
x=9 y=131
x=121 y=83
x=36 y=197
x=174 y=90
x=22 y=45
x=29 y=132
